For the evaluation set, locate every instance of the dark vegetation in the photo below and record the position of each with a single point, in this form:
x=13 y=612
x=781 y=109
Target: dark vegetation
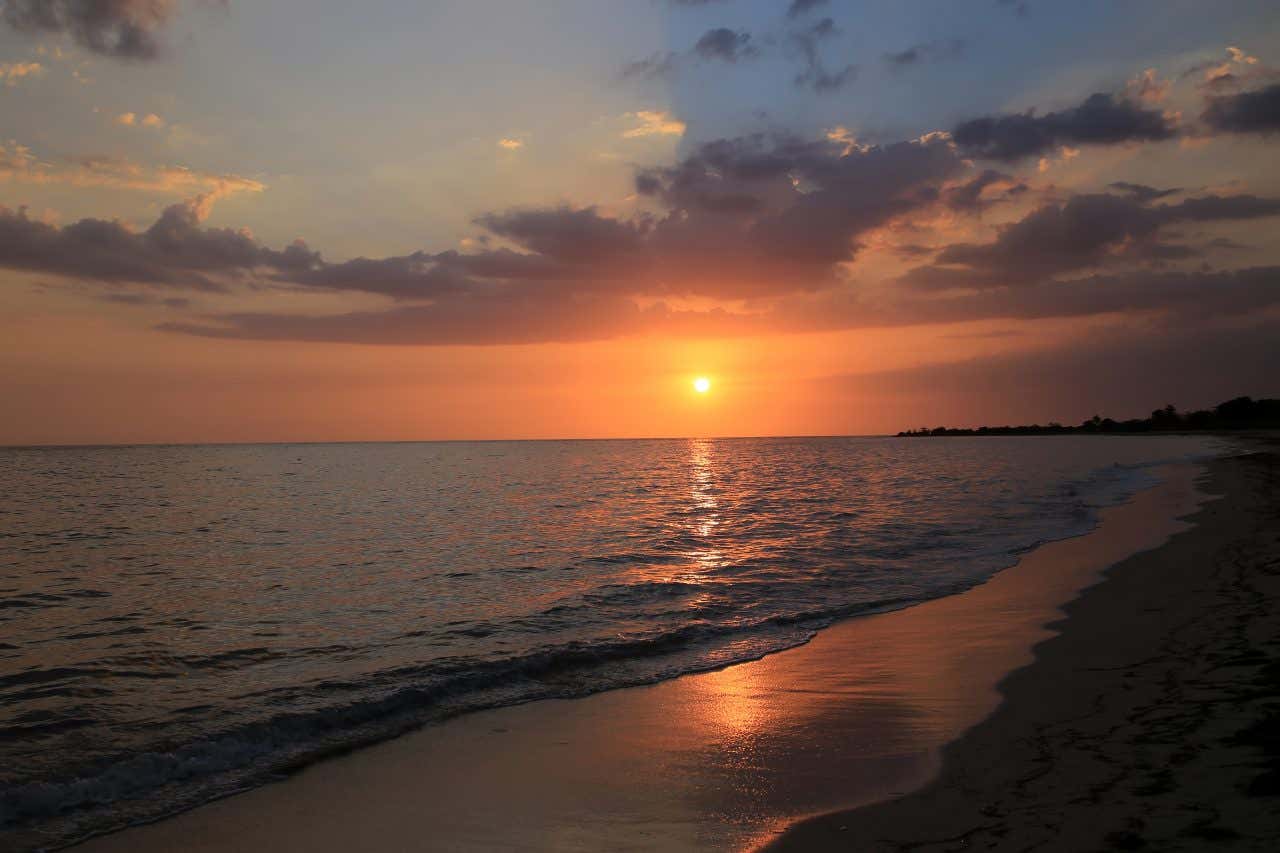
x=1240 y=413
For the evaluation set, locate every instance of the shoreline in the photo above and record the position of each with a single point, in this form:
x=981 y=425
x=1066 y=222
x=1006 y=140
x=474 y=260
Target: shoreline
x=714 y=760
x=1148 y=721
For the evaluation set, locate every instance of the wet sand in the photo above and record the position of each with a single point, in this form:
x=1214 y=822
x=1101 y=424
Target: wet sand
x=729 y=759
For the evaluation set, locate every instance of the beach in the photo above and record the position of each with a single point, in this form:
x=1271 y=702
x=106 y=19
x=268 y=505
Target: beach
x=1148 y=723
x=775 y=751
x=686 y=426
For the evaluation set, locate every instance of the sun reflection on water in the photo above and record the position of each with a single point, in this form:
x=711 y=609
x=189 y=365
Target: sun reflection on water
x=704 y=511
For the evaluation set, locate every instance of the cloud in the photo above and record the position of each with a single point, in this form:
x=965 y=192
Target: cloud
x=653 y=123
x=1237 y=70
x=150 y=120
x=14 y=72
x=1148 y=87
x=1121 y=373
x=522 y=316
x=722 y=44
x=504 y=317
x=125 y=29
x=1086 y=231
x=926 y=51
x=756 y=215
x=1186 y=297
x=975 y=195
x=803 y=7
x=19 y=163
x=1141 y=192
x=816 y=76
x=845 y=137
x=173 y=252
x=1102 y=119
x=657 y=65
x=725 y=45
x=743 y=218
x=565 y=234
x=1247 y=112
x=772 y=228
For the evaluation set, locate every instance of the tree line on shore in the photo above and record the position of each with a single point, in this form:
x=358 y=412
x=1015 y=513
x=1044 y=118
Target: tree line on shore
x=1240 y=413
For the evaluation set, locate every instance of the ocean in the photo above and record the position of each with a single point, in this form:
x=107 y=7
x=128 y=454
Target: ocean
x=182 y=622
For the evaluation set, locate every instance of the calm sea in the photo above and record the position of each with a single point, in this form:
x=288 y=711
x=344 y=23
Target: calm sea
x=177 y=623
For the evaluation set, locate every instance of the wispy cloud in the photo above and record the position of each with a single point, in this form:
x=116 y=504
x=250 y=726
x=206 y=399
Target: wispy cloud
x=653 y=123
x=19 y=163
x=14 y=72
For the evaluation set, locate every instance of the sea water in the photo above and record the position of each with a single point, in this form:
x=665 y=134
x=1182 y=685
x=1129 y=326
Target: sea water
x=182 y=622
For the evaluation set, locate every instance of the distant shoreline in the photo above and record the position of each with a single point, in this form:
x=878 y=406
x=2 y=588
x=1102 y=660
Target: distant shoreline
x=1231 y=416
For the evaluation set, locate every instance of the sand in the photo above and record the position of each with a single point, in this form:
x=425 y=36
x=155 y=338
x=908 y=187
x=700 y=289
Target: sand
x=1151 y=722
x=1145 y=694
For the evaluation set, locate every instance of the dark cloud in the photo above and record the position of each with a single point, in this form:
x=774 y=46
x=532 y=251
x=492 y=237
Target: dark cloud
x=715 y=45
x=1141 y=192
x=972 y=196
x=127 y=29
x=822 y=81
x=576 y=236
x=1247 y=112
x=722 y=44
x=746 y=218
x=174 y=252
x=1123 y=373
x=1182 y=297
x=1084 y=232
x=1195 y=295
x=1101 y=119
x=414 y=276
x=812 y=202
x=926 y=51
x=741 y=218
x=725 y=45
x=816 y=75
x=657 y=65
x=803 y=7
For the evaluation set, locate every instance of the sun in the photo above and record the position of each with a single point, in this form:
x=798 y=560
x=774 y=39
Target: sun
x=702 y=384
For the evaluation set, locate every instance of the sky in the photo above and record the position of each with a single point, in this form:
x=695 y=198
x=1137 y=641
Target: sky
x=311 y=220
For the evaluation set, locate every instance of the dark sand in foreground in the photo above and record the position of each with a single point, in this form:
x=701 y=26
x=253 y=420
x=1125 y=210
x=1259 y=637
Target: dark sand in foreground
x=728 y=759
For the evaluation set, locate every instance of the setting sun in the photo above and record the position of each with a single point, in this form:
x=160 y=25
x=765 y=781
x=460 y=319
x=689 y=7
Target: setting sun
x=702 y=384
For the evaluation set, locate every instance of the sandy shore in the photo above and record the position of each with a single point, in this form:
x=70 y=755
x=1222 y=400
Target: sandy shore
x=729 y=759
x=1151 y=722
